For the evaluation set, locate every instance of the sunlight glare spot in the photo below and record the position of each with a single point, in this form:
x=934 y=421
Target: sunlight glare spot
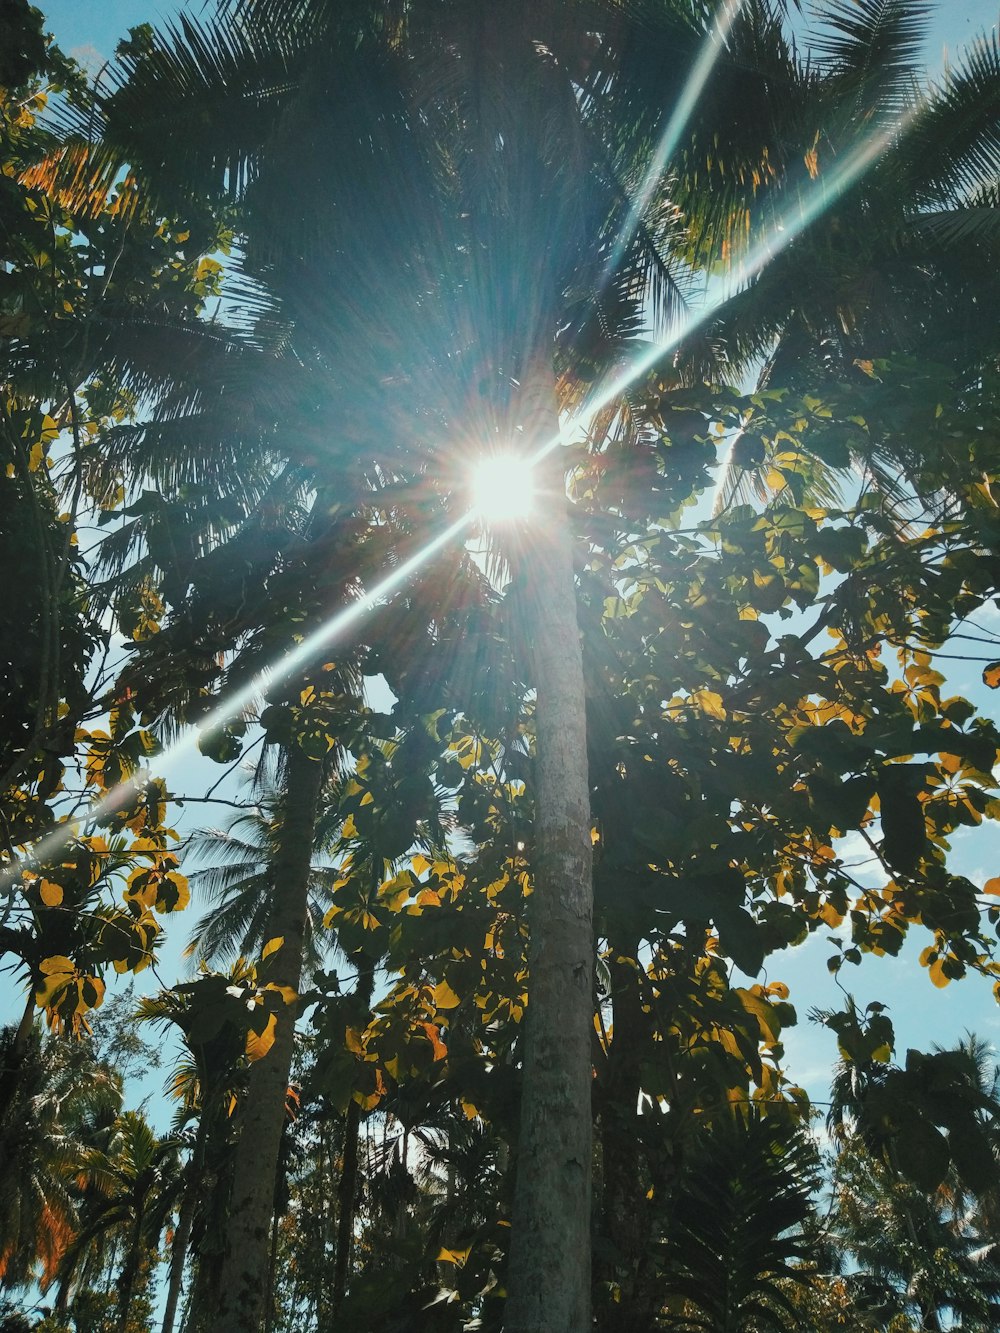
x=503 y=488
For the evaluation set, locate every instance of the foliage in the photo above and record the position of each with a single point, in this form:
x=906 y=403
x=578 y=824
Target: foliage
x=762 y=684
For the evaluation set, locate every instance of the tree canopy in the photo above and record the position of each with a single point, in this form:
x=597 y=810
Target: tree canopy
x=485 y=1017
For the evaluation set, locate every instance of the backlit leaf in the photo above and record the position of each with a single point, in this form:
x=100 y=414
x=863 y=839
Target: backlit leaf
x=259 y=1043
x=444 y=996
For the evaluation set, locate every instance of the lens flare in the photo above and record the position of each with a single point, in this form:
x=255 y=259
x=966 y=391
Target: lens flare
x=701 y=72
x=503 y=488
x=300 y=657
x=825 y=192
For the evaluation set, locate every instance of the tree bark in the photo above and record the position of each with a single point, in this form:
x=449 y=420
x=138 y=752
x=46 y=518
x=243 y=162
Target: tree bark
x=624 y=1208
x=14 y=1056
x=242 y=1294
x=126 y=1283
x=185 y=1220
x=347 y=1189
x=548 y=1280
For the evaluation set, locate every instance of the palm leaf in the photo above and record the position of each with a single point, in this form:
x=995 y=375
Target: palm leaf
x=953 y=148
x=873 y=49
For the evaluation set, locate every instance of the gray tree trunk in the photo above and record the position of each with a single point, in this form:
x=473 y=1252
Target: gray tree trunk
x=185 y=1220
x=548 y=1279
x=243 y=1287
x=130 y=1271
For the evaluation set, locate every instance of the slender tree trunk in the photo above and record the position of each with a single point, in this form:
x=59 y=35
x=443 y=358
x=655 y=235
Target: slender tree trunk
x=624 y=1209
x=242 y=1294
x=272 y=1267
x=549 y=1270
x=185 y=1220
x=347 y=1189
x=13 y=1060
x=126 y=1285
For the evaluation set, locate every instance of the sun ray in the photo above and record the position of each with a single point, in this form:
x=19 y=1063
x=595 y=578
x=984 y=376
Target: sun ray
x=303 y=653
x=825 y=191
x=712 y=48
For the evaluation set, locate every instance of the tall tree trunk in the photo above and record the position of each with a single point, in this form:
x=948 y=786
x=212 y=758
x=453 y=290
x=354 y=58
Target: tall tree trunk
x=242 y=1294
x=624 y=1208
x=549 y=1270
x=13 y=1059
x=126 y=1284
x=347 y=1189
x=185 y=1220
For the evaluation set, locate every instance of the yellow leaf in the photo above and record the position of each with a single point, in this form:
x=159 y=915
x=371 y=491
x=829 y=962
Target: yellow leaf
x=453 y=1256
x=352 y=1040
x=350 y=829
x=444 y=996
x=992 y=886
x=59 y=972
x=437 y=1045
x=937 y=974
x=420 y=863
x=287 y=993
x=183 y=893
x=57 y=963
x=52 y=894
x=709 y=702
x=97 y=985
x=259 y=1043
x=830 y=915
x=272 y=946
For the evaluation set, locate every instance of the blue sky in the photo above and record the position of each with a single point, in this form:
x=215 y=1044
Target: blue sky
x=922 y=1014
x=98 y=24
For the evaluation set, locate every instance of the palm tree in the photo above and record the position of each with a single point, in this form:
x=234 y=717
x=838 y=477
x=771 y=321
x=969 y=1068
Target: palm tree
x=238 y=881
x=735 y=1226
x=917 y=1161
x=912 y=1252
x=902 y=263
x=207 y=1080
x=131 y=1189
x=448 y=312
x=63 y=1100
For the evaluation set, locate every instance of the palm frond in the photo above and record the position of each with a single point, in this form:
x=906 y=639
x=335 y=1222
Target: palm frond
x=873 y=49
x=953 y=148
x=957 y=228
x=214 y=91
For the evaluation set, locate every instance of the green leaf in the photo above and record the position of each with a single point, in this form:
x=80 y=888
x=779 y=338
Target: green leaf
x=922 y=1153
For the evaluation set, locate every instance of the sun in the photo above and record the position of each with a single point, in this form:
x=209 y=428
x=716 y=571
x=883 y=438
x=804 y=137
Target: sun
x=503 y=488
